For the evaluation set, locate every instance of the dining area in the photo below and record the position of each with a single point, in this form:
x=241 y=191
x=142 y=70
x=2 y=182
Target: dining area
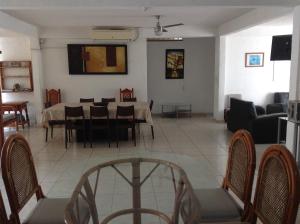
x=106 y=119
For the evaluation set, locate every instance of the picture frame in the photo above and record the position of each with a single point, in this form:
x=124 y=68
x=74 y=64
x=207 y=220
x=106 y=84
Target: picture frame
x=174 y=63
x=254 y=59
x=97 y=59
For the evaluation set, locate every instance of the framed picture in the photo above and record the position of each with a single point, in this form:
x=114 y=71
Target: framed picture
x=174 y=63
x=97 y=59
x=255 y=59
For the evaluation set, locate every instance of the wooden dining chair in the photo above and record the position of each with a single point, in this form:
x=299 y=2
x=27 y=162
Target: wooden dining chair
x=217 y=204
x=108 y=100
x=125 y=119
x=99 y=120
x=126 y=93
x=3 y=214
x=53 y=97
x=101 y=104
x=21 y=183
x=86 y=100
x=74 y=120
x=133 y=99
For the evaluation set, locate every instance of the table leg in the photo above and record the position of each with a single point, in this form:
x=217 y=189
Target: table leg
x=278 y=131
x=27 y=117
x=136 y=191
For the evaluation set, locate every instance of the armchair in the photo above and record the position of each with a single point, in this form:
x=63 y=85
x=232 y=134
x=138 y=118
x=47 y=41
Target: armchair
x=280 y=103
x=243 y=115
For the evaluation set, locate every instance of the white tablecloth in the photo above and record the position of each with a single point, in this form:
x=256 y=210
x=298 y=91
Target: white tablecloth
x=57 y=112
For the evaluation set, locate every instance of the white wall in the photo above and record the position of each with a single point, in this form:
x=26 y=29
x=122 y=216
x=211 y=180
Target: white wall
x=196 y=88
x=255 y=84
x=56 y=73
x=14 y=49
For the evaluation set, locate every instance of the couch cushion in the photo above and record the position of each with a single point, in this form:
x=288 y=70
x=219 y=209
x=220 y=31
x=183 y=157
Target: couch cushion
x=51 y=211
x=217 y=205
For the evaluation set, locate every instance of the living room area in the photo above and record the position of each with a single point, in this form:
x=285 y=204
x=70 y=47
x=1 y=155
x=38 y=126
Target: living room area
x=213 y=60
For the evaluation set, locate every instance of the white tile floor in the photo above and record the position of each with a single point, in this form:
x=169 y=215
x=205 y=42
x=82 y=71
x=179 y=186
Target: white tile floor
x=198 y=145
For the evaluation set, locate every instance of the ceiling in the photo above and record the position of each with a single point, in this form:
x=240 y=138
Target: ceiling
x=129 y=17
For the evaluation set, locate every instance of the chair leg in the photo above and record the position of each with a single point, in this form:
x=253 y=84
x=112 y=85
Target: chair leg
x=108 y=136
x=133 y=135
x=91 y=137
x=152 y=131
x=46 y=134
x=66 y=137
x=117 y=135
x=51 y=131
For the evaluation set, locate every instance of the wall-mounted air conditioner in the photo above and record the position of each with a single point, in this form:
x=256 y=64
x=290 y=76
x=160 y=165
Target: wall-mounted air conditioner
x=114 y=34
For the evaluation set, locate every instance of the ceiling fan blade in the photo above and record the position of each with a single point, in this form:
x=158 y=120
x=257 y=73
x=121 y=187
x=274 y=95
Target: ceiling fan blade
x=164 y=30
x=177 y=24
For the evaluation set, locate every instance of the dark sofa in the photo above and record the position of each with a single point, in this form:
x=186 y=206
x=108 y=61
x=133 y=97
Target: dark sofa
x=280 y=104
x=243 y=115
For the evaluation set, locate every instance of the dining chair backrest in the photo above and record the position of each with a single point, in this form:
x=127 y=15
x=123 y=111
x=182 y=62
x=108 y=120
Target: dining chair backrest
x=125 y=111
x=19 y=174
x=129 y=99
x=101 y=104
x=98 y=112
x=108 y=100
x=3 y=214
x=126 y=93
x=74 y=112
x=277 y=191
x=87 y=100
x=53 y=97
x=241 y=167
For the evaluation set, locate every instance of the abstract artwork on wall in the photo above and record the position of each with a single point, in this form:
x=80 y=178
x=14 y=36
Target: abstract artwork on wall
x=174 y=63
x=97 y=59
x=255 y=59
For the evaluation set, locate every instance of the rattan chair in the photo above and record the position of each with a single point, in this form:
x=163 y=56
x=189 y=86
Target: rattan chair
x=74 y=120
x=277 y=191
x=3 y=215
x=99 y=120
x=53 y=97
x=108 y=100
x=217 y=204
x=21 y=184
x=125 y=119
x=86 y=100
x=133 y=99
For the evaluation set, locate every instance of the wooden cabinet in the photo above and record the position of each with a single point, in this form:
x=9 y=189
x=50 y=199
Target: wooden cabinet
x=16 y=76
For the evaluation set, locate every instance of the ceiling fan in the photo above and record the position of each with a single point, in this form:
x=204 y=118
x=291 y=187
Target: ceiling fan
x=159 y=29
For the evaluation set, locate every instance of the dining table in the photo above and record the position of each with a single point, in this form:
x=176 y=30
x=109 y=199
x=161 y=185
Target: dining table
x=57 y=112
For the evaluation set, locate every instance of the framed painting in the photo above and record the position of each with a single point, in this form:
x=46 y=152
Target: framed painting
x=255 y=59
x=174 y=63
x=97 y=59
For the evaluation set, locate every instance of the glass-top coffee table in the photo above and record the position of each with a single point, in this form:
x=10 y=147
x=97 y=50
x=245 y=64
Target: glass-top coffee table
x=176 y=109
x=137 y=175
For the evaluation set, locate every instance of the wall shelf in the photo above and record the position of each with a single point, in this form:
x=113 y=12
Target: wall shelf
x=16 y=74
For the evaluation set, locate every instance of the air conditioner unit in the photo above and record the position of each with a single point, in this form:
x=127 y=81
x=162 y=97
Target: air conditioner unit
x=114 y=34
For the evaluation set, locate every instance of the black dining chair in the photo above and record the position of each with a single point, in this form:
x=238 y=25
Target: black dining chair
x=74 y=120
x=125 y=119
x=144 y=121
x=99 y=120
x=133 y=99
x=108 y=100
x=87 y=100
x=101 y=104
